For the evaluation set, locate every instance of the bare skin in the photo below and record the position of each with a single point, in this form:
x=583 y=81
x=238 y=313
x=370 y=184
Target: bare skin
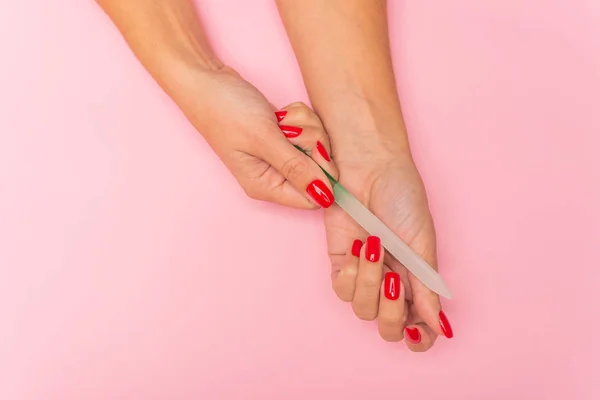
x=343 y=50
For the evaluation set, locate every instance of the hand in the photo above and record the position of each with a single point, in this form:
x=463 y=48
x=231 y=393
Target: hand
x=388 y=183
x=240 y=125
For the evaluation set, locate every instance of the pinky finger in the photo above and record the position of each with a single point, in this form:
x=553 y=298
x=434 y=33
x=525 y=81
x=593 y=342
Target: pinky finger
x=418 y=335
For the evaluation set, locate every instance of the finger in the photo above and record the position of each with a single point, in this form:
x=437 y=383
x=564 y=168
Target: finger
x=297 y=114
x=392 y=315
x=418 y=335
x=427 y=306
x=304 y=129
x=344 y=272
x=368 y=281
x=287 y=195
x=272 y=186
x=313 y=141
x=296 y=167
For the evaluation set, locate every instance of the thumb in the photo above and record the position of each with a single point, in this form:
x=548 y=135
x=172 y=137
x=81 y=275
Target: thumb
x=299 y=170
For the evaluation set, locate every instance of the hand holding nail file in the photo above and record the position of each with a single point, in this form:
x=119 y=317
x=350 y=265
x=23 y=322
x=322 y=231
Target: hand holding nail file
x=392 y=243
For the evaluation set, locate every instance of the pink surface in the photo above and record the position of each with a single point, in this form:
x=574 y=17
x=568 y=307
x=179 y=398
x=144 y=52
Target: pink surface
x=121 y=279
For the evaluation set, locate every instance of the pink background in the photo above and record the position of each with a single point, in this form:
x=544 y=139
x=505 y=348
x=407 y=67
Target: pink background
x=121 y=279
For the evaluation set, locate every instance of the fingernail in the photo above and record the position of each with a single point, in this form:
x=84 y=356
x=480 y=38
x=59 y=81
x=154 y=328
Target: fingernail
x=290 y=131
x=323 y=151
x=320 y=193
x=356 y=246
x=373 y=250
x=445 y=324
x=391 y=286
x=280 y=115
x=412 y=335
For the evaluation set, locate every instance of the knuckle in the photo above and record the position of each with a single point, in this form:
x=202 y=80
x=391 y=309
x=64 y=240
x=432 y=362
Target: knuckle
x=294 y=168
x=252 y=192
x=297 y=105
x=300 y=110
x=366 y=316
x=349 y=273
x=390 y=335
x=363 y=312
x=343 y=283
x=343 y=293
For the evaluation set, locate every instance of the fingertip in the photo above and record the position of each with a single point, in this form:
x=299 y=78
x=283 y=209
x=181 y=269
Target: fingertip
x=373 y=249
x=356 y=246
x=323 y=151
x=280 y=115
x=427 y=305
x=290 y=132
x=392 y=286
x=445 y=326
x=320 y=192
x=412 y=334
x=419 y=337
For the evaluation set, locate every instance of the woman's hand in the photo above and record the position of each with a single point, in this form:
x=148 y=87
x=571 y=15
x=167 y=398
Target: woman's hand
x=241 y=126
x=304 y=129
x=235 y=118
x=389 y=184
x=343 y=50
x=378 y=286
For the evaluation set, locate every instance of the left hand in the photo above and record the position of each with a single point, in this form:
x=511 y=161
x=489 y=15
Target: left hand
x=388 y=183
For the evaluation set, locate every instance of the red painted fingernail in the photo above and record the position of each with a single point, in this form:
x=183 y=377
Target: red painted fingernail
x=373 y=251
x=320 y=193
x=446 y=327
x=391 y=286
x=290 y=131
x=323 y=151
x=356 y=246
x=280 y=115
x=412 y=335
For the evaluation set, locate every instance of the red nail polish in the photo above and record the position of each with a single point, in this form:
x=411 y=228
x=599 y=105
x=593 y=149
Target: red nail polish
x=280 y=115
x=445 y=324
x=290 y=131
x=412 y=335
x=356 y=246
x=320 y=193
x=373 y=250
x=323 y=151
x=391 y=285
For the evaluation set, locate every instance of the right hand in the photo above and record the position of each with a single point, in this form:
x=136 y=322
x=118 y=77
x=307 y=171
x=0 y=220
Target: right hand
x=240 y=125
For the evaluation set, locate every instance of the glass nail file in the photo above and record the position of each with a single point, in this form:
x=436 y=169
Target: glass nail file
x=390 y=241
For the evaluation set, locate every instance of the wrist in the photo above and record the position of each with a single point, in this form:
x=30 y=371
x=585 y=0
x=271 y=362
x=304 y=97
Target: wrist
x=187 y=77
x=357 y=125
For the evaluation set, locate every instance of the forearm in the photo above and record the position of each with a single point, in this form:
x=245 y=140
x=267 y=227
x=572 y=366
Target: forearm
x=342 y=47
x=166 y=36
